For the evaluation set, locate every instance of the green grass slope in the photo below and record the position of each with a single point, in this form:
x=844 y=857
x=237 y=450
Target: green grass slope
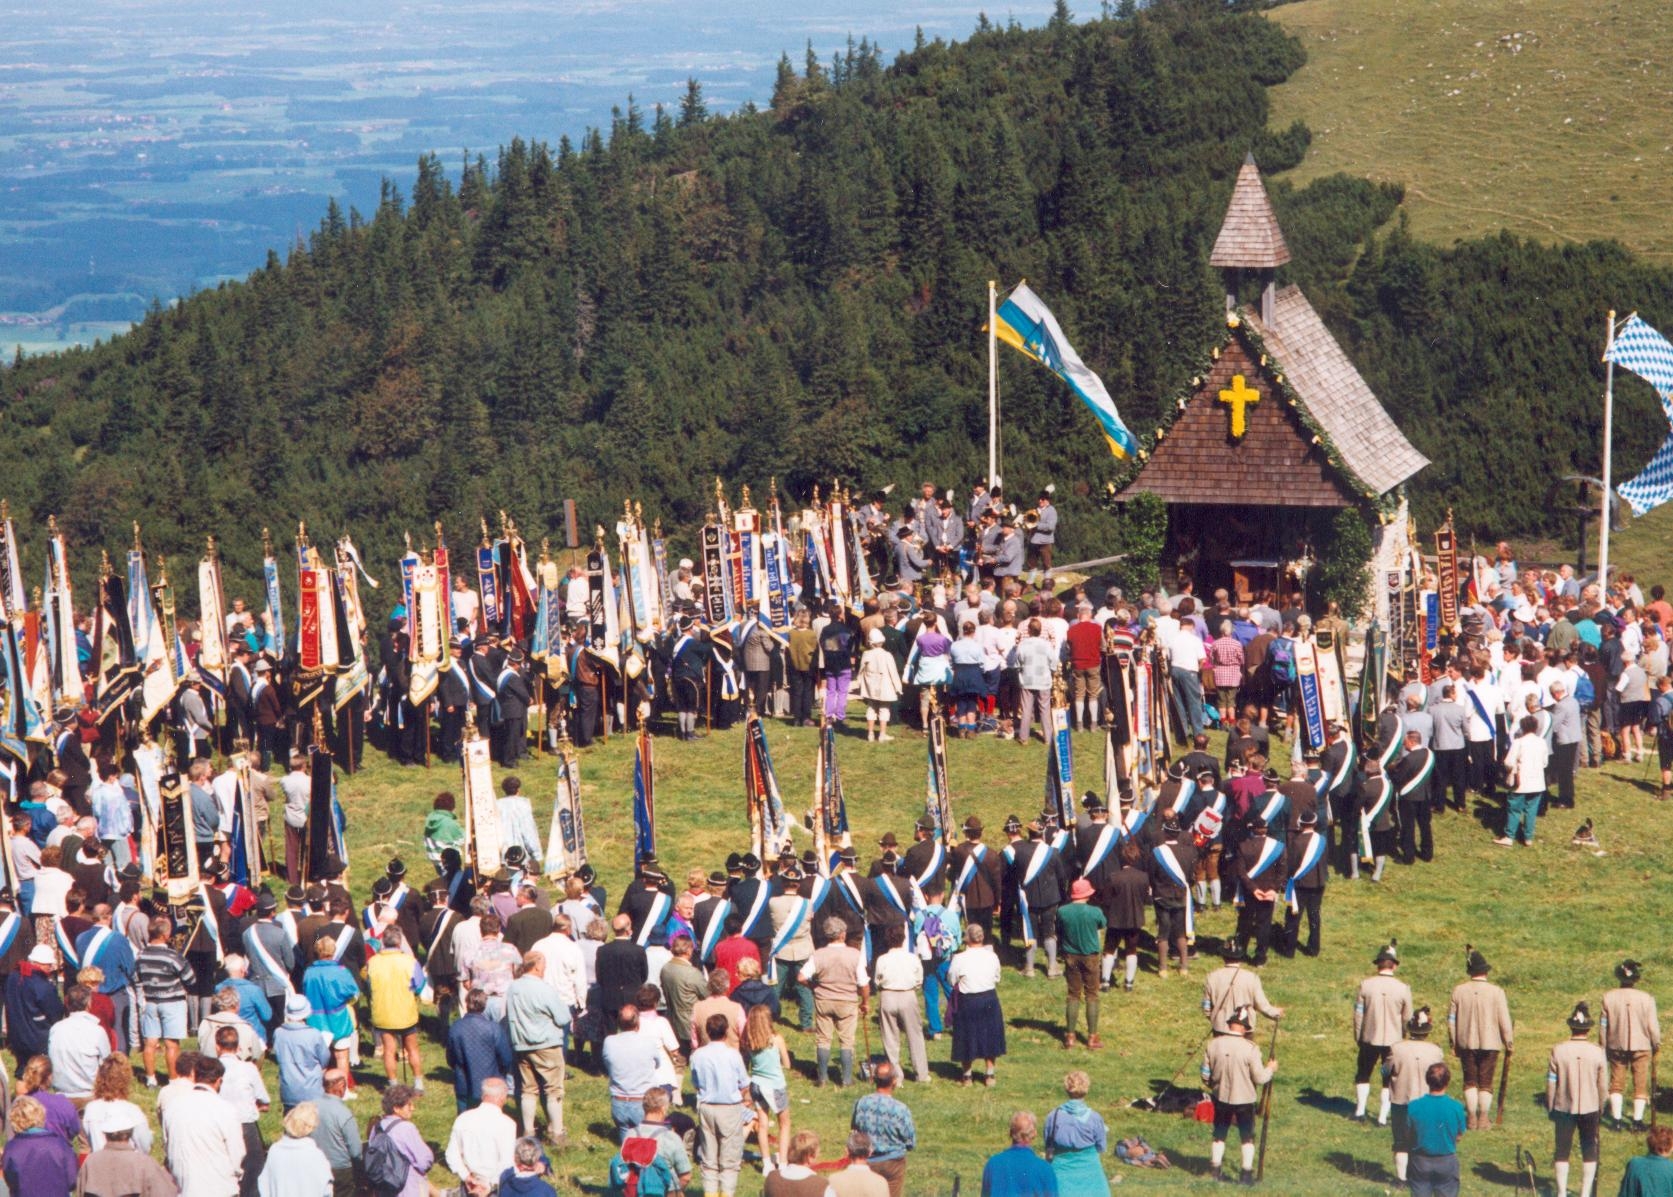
x=1549 y=119
x=1552 y=919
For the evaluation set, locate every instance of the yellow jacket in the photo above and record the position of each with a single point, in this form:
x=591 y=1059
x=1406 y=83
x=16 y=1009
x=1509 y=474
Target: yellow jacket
x=390 y=976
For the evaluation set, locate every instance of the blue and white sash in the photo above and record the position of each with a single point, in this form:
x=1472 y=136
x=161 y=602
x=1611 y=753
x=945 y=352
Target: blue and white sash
x=8 y=931
x=1218 y=807
x=1109 y=835
x=1370 y=813
x=1270 y=851
x=286 y=920
x=713 y=932
x=967 y=874
x=1037 y=862
x=1134 y=820
x=1312 y=851
x=211 y=923
x=342 y=943
x=1274 y=808
x=1176 y=873
x=252 y=939
x=936 y=866
x=886 y=887
x=1481 y=713
x=763 y=892
x=793 y=925
x=661 y=904
x=65 y=947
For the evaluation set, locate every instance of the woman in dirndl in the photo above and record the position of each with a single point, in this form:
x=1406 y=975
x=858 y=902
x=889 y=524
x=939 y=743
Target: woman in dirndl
x=978 y=1022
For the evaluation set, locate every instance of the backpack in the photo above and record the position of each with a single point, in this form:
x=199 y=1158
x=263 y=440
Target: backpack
x=1585 y=694
x=637 y=1170
x=1280 y=659
x=941 y=940
x=385 y=1168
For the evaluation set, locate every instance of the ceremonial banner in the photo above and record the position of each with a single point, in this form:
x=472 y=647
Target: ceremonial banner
x=175 y=847
x=769 y=830
x=611 y=653
x=841 y=578
x=487 y=581
x=644 y=798
x=429 y=640
x=1446 y=551
x=213 y=656
x=714 y=568
x=351 y=627
x=116 y=669
x=1060 y=764
x=938 y=794
x=1307 y=680
x=317 y=834
x=1333 y=698
x=65 y=661
x=270 y=586
x=444 y=588
x=19 y=720
x=482 y=812
x=1372 y=671
x=566 y=843
x=246 y=833
x=830 y=805
x=664 y=579
x=161 y=679
x=308 y=629
x=11 y=576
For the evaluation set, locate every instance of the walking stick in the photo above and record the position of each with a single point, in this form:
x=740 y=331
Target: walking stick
x=1504 y=1081
x=1266 y=1109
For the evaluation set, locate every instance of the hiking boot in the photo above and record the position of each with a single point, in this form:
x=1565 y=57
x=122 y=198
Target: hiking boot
x=1217 y=1174
x=1093 y=1043
x=1246 y=1178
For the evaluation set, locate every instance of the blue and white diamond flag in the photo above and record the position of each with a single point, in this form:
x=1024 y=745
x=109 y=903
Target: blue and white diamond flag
x=1648 y=354
x=1654 y=484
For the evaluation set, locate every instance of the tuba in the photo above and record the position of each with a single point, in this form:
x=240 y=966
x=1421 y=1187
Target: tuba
x=1030 y=520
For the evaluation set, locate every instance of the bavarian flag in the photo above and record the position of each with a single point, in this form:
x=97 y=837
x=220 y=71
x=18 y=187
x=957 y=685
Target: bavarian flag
x=1027 y=325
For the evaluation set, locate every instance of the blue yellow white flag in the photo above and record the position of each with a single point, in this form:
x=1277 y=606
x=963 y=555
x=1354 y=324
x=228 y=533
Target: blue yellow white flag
x=1026 y=324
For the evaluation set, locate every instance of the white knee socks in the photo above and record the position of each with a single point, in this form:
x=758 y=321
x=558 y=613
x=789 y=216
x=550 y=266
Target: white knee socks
x=1382 y=1114
x=1132 y=968
x=1362 y=1094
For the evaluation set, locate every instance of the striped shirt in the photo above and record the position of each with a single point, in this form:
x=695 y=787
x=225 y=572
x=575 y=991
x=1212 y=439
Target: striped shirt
x=163 y=974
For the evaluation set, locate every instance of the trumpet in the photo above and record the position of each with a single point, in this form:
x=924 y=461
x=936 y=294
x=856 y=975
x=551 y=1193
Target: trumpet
x=1030 y=520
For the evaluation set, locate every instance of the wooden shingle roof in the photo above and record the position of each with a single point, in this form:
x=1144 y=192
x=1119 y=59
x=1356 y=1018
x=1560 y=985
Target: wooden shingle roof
x=1368 y=441
x=1250 y=236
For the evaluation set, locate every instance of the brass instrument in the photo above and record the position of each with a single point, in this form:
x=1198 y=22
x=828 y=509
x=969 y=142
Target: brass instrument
x=1030 y=520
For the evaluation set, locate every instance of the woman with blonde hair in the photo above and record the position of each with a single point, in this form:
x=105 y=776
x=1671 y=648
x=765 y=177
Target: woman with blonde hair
x=1075 y=1141
x=35 y=1080
x=296 y=1167
x=37 y=1161
x=769 y=1062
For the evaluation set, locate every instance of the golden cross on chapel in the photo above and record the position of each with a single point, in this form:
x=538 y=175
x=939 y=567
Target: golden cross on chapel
x=1238 y=398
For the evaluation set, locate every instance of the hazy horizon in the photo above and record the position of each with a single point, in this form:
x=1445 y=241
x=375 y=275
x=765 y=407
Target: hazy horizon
x=156 y=148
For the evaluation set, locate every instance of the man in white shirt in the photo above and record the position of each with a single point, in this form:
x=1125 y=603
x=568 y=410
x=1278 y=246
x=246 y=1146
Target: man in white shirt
x=77 y=1045
x=1187 y=654
x=1481 y=699
x=566 y=967
x=483 y=1139
x=246 y=1093
x=205 y=1141
x=466 y=604
x=1165 y=625
x=900 y=975
x=225 y=789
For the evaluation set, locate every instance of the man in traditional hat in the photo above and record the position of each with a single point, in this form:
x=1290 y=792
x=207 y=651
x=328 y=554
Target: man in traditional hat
x=888 y=894
x=1309 y=868
x=272 y=958
x=1261 y=877
x=648 y=903
x=1478 y=1023
x=1080 y=929
x=751 y=897
x=794 y=912
x=441 y=964
x=1631 y=1036
x=978 y=877
x=1576 y=1086
x=453 y=697
x=1232 y=1069
x=1230 y=986
x=1410 y=778
x=1038 y=878
x=921 y=855
x=1381 y=1011
x=1170 y=865
x=1404 y=1070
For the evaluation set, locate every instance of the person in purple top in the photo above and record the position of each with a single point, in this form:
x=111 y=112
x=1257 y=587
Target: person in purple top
x=397 y=1123
x=37 y=1160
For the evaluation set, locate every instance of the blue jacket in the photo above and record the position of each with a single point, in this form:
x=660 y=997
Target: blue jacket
x=116 y=958
x=477 y=1048
x=253 y=1006
x=32 y=1007
x=303 y=1058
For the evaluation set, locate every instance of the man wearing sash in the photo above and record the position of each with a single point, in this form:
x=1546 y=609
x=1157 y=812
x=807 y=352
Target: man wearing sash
x=1410 y=778
x=1038 y=878
x=888 y=897
x=104 y=947
x=272 y=958
x=750 y=898
x=1170 y=866
x=453 y=695
x=1377 y=834
x=793 y=914
x=1308 y=867
x=1260 y=879
x=1338 y=761
x=1482 y=701
x=441 y=966
x=847 y=904
x=212 y=935
x=648 y=904
x=1205 y=815
x=351 y=944
x=920 y=859
x=512 y=698
x=17 y=935
x=708 y=916
x=978 y=877
x=1381 y=1010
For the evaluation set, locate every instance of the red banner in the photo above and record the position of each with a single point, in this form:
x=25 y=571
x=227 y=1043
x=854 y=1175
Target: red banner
x=308 y=644
x=444 y=590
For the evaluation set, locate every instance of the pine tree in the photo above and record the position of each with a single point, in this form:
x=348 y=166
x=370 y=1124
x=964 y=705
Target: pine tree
x=692 y=109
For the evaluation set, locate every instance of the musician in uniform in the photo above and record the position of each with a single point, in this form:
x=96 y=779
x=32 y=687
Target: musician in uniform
x=1576 y=1086
x=977 y=885
x=1631 y=1036
x=1479 y=1026
x=1410 y=777
x=1381 y=1010
x=1043 y=539
x=1233 y=1072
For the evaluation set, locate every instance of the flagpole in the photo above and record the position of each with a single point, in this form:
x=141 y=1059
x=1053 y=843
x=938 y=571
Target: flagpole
x=993 y=386
x=1608 y=428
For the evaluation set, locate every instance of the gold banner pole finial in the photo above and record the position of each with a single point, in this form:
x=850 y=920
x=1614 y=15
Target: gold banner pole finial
x=486 y=543
x=266 y=541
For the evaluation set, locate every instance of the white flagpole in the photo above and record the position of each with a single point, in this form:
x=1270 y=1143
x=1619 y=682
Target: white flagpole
x=1608 y=427
x=993 y=386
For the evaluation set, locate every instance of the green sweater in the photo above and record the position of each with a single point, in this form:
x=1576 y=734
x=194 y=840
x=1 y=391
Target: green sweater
x=1080 y=929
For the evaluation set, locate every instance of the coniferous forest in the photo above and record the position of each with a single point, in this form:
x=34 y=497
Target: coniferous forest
x=798 y=290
